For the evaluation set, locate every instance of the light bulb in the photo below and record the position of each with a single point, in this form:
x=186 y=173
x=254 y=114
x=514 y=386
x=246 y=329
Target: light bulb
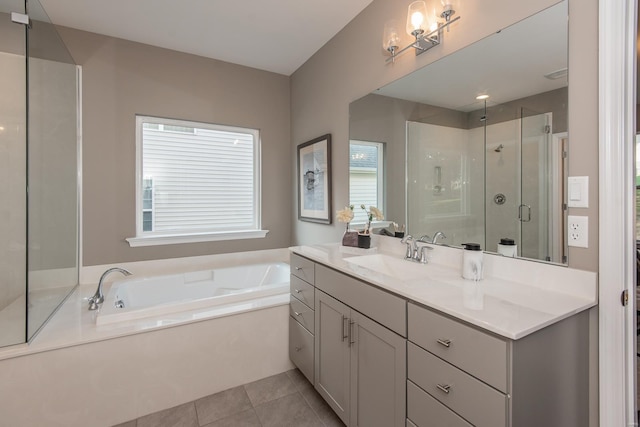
x=416 y=17
x=416 y=20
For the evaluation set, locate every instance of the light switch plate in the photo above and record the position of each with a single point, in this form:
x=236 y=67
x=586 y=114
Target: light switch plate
x=578 y=231
x=578 y=189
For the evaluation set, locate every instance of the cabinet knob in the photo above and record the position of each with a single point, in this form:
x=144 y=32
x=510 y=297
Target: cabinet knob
x=298 y=268
x=444 y=388
x=297 y=314
x=298 y=348
x=297 y=290
x=445 y=343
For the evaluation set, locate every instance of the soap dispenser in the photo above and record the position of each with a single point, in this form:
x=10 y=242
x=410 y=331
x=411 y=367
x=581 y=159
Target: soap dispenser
x=507 y=247
x=472 y=265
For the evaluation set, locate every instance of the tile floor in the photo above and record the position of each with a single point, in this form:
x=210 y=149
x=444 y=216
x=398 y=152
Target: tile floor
x=286 y=399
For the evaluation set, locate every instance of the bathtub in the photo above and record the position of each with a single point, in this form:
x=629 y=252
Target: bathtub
x=135 y=298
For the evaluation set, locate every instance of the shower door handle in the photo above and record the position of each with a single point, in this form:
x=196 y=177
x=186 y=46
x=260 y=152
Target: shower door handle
x=521 y=217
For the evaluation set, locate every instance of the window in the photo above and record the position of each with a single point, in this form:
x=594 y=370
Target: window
x=366 y=177
x=196 y=182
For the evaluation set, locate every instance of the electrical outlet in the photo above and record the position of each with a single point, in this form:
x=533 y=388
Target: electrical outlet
x=578 y=231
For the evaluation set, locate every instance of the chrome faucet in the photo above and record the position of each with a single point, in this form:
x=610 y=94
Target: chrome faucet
x=414 y=252
x=411 y=246
x=98 y=297
x=437 y=236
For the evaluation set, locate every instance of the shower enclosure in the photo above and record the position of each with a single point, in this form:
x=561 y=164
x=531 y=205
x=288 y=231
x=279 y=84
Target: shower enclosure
x=485 y=173
x=39 y=148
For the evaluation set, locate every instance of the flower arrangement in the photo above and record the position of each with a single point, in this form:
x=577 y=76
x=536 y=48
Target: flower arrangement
x=372 y=213
x=345 y=215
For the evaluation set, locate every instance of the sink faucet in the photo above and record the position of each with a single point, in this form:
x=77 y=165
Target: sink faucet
x=411 y=246
x=98 y=297
x=414 y=252
x=437 y=236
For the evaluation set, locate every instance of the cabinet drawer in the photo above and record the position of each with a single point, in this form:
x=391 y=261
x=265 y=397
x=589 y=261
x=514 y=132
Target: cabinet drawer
x=303 y=268
x=302 y=291
x=473 y=400
x=301 y=348
x=383 y=307
x=303 y=314
x=482 y=355
x=428 y=412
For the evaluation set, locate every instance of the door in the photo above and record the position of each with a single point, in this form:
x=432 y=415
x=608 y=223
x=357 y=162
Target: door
x=378 y=374
x=534 y=178
x=332 y=353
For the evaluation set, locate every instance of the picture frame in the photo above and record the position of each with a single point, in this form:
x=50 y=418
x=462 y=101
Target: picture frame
x=314 y=180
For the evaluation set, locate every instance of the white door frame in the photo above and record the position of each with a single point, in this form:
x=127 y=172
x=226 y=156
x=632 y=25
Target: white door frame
x=617 y=60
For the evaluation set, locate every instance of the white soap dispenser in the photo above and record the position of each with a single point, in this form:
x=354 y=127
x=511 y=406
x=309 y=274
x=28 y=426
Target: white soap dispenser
x=507 y=247
x=472 y=265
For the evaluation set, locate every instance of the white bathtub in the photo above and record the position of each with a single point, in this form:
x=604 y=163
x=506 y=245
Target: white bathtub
x=135 y=298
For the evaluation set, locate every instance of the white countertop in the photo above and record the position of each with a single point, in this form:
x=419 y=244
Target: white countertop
x=515 y=299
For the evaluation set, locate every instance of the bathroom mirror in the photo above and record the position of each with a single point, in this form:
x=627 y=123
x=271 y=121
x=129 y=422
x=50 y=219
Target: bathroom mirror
x=480 y=170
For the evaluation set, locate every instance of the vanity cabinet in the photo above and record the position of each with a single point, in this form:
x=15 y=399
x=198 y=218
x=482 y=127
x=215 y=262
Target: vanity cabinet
x=380 y=359
x=459 y=375
x=360 y=363
x=301 y=315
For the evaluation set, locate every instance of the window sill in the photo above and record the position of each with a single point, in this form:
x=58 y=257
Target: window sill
x=172 y=239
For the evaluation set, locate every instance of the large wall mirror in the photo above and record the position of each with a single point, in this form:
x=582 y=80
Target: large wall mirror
x=479 y=169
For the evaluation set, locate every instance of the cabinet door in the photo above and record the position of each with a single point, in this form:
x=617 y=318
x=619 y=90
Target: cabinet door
x=378 y=374
x=332 y=353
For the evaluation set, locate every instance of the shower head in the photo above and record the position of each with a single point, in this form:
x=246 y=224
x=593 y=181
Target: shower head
x=499 y=148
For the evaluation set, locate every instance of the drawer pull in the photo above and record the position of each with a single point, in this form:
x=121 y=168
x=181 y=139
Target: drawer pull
x=300 y=348
x=298 y=268
x=444 y=388
x=297 y=290
x=297 y=314
x=445 y=343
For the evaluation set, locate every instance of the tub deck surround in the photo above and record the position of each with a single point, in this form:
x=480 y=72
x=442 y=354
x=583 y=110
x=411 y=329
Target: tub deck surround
x=515 y=299
x=74 y=325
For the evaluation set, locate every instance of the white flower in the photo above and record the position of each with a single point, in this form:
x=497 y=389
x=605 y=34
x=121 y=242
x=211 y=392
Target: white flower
x=344 y=215
x=377 y=213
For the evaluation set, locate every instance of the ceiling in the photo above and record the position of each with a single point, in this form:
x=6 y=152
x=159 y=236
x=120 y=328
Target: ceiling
x=271 y=35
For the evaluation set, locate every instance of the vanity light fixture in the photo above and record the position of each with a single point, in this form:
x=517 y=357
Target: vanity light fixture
x=422 y=25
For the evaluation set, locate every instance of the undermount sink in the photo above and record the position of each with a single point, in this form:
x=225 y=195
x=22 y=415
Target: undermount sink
x=391 y=266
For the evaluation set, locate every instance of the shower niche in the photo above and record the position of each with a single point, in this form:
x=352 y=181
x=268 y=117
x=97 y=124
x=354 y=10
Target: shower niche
x=39 y=146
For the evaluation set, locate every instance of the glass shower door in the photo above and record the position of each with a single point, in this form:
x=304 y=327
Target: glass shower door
x=52 y=170
x=13 y=165
x=534 y=210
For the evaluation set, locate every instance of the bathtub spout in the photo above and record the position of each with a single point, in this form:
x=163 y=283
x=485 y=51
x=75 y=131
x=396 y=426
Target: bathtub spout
x=98 y=297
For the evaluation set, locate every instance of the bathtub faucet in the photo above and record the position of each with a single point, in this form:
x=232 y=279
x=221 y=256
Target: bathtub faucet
x=98 y=297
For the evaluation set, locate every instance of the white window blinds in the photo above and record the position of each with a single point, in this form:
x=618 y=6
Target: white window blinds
x=205 y=178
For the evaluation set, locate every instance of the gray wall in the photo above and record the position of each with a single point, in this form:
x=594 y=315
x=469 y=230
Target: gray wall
x=352 y=65
x=122 y=79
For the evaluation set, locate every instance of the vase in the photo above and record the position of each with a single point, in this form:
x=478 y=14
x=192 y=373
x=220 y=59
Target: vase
x=364 y=241
x=350 y=238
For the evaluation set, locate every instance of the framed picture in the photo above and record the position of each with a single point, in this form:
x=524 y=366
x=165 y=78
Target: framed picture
x=314 y=180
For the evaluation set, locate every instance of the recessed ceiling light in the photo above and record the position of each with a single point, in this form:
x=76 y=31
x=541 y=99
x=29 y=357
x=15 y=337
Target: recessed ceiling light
x=481 y=97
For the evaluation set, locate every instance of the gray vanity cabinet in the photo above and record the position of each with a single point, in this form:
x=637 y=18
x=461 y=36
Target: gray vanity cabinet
x=459 y=375
x=301 y=315
x=360 y=365
x=333 y=352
